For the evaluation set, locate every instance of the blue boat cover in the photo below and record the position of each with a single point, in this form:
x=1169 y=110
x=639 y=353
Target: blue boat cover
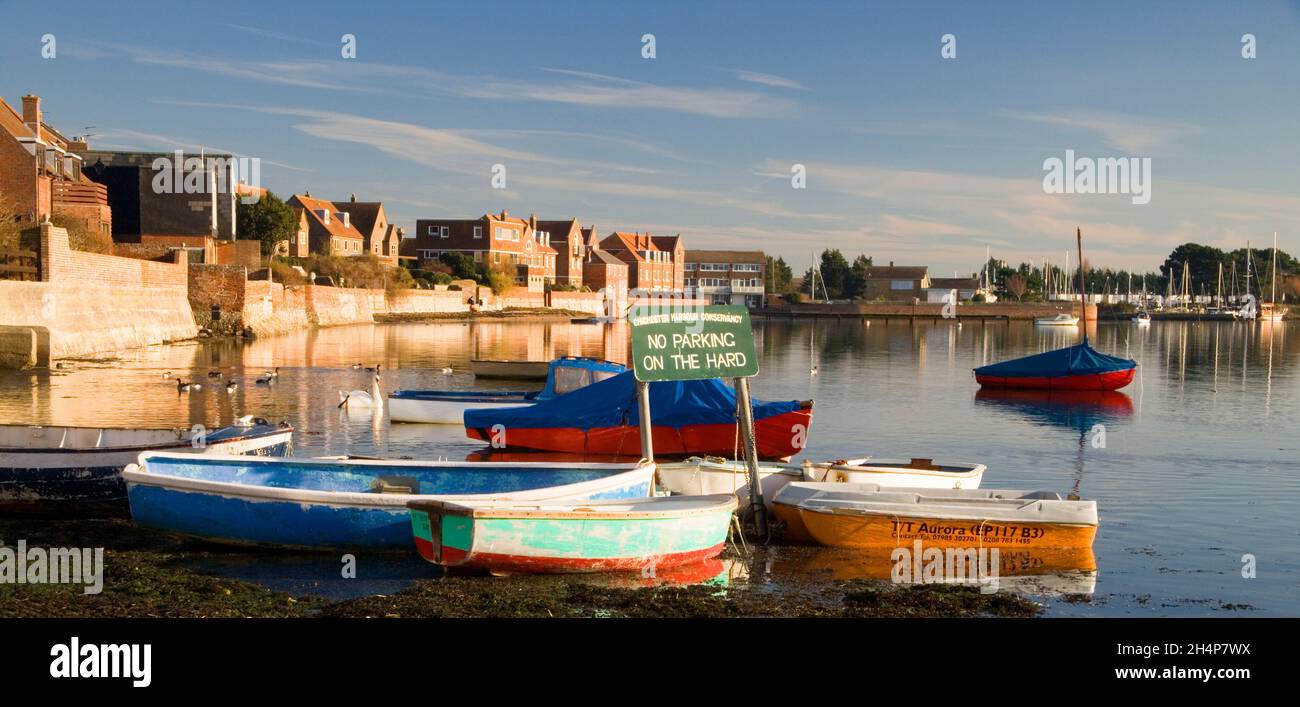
x=612 y=402
x=1078 y=360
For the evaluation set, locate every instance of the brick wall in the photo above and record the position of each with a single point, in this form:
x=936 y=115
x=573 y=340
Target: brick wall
x=59 y=263
x=218 y=291
x=590 y=302
x=519 y=297
x=18 y=178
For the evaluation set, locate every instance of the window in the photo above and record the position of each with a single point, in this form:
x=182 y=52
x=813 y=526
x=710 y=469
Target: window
x=901 y=284
x=446 y=232
x=478 y=231
x=433 y=230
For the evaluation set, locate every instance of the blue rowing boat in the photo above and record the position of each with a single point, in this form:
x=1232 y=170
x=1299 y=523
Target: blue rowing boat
x=78 y=470
x=320 y=504
x=447 y=407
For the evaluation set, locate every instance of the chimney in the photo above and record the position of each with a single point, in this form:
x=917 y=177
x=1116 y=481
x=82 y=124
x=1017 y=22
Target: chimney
x=532 y=222
x=891 y=263
x=504 y=214
x=354 y=198
x=32 y=112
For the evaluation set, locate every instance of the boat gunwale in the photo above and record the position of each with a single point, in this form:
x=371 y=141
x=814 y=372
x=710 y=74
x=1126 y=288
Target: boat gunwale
x=491 y=510
x=134 y=475
x=180 y=443
x=891 y=466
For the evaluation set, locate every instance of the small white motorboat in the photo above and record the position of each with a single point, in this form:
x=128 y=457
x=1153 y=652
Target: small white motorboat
x=1061 y=319
x=892 y=473
x=705 y=476
x=1142 y=317
x=702 y=476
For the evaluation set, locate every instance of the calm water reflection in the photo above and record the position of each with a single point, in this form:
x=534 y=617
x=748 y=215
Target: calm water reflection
x=1195 y=464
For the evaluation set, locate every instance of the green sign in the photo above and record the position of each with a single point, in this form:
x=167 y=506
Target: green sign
x=686 y=343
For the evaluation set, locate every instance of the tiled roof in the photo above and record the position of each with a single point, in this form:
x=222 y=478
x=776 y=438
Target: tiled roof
x=12 y=121
x=335 y=226
x=606 y=257
x=959 y=283
x=559 y=230
x=900 y=272
x=363 y=213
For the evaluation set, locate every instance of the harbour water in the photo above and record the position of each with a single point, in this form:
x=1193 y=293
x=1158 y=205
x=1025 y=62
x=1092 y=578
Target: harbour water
x=1194 y=466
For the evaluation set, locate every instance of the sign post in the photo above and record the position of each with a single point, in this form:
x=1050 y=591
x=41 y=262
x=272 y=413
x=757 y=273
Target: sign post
x=680 y=343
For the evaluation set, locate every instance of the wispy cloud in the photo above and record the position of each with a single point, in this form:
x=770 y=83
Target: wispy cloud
x=278 y=36
x=579 y=88
x=1134 y=134
x=767 y=79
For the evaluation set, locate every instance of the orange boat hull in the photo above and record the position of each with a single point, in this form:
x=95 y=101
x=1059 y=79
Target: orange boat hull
x=877 y=532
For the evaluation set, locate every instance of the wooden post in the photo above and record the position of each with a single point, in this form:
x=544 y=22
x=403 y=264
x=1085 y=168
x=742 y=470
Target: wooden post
x=746 y=414
x=643 y=410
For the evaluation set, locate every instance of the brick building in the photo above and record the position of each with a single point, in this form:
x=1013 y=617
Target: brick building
x=499 y=241
x=328 y=229
x=383 y=239
x=567 y=241
x=41 y=173
x=191 y=208
x=900 y=283
x=726 y=276
x=654 y=262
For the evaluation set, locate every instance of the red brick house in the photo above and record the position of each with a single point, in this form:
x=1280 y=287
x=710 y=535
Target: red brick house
x=329 y=229
x=383 y=239
x=567 y=240
x=41 y=174
x=500 y=241
x=654 y=262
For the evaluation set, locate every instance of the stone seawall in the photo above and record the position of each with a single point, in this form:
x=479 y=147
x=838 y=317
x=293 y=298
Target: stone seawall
x=87 y=318
x=90 y=304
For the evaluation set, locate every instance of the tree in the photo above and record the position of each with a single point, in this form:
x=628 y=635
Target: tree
x=268 y=220
x=779 y=276
x=1016 y=285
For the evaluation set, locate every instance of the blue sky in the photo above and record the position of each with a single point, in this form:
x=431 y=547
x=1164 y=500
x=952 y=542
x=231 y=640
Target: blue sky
x=910 y=157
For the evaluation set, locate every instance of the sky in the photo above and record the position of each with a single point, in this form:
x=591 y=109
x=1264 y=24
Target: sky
x=909 y=156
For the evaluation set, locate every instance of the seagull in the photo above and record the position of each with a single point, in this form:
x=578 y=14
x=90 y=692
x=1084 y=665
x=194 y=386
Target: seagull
x=167 y=375
x=814 y=370
x=446 y=370
x=356 y=366
x=183 y=387
x=231 y=386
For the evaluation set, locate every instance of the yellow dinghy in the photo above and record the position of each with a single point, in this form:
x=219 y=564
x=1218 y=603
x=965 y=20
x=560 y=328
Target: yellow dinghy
x=867 y=516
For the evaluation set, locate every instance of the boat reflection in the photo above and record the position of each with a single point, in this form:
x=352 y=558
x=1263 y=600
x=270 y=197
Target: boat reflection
x=1072 y=409
x=1041 y=572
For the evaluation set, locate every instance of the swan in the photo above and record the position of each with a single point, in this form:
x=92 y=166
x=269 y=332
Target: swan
x=362 y=399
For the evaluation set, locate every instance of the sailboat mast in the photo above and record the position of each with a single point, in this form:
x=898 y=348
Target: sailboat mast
x=1083 y=302
x=1273 y=297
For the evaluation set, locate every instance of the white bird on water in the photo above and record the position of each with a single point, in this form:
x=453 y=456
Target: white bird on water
x=446 y=370
x=363 y=400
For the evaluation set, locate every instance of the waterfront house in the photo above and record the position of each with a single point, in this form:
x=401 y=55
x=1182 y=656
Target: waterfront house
x=654 y=262
x=896 y=283
x=41 y=172
x=602 y=271
x=383 y=239
x=330 y=230
x=566 y=238
x=726 y=276
x=499 y=241
x=967 y=288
